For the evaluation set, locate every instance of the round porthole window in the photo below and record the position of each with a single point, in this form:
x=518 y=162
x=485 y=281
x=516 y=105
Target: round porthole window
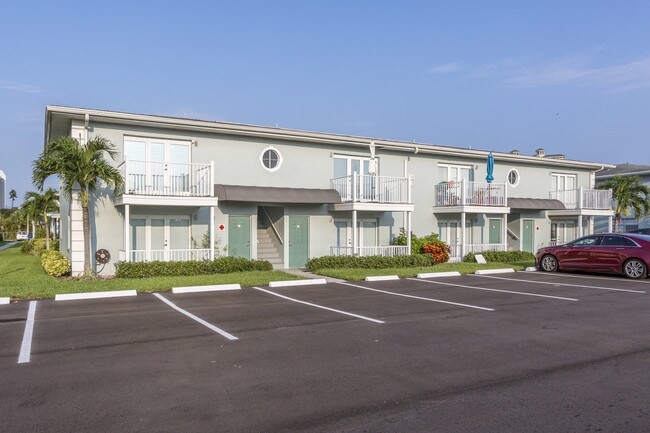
x=271 y=159
x=513 y=177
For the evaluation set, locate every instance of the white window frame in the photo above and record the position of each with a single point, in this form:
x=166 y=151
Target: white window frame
x=350 y=158
x=565 y=176
x=457 y=168
x=166 y=228
x=165 y=141
x=280 y=159
x=360 y=221
x=513 y=170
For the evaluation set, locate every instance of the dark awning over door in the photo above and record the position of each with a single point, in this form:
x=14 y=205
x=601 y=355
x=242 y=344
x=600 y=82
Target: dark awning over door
x=535 y=203
x=263 y=194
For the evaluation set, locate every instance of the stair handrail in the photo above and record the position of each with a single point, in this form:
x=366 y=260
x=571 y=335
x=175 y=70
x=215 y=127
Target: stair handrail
x=513 y=235
x=275 y=230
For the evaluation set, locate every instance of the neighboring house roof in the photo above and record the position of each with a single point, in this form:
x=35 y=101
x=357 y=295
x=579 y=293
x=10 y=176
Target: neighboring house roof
x=88 y=115
x=626 y=169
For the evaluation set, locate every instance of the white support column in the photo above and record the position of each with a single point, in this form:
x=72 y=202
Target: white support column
x=504 y=239
x=408 y=232
x=591 y=225
x=463 y=234
x=212 y=233
x=212 y=180
x=355 y=233
x=580 y=227
x=127 y=241
x=609 y=225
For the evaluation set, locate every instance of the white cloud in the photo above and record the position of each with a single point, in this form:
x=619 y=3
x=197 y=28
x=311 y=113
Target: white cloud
x=574 y=70
x=19 y=87
x=445 y=69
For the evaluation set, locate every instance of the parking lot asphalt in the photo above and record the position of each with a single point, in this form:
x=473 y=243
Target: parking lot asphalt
x=510 y=352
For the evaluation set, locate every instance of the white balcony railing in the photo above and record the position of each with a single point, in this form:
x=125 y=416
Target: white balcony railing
x=467 y=193
x=381 y=250
x=372 y=189
x=178 y=255
x=167 y=178
x=583 y=198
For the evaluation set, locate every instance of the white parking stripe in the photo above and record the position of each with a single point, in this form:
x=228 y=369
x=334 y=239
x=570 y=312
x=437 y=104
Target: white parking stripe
x=555 y=274
x=198 y=319
x=318 y=306
x=495 y=290
x=550 y=283
x=418 y=297
x=26 y=347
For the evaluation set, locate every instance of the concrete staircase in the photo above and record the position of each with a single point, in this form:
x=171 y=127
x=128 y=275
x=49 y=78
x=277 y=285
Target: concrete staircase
x=268 y=246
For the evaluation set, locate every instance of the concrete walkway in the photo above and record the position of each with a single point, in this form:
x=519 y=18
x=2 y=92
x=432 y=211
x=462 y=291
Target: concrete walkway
x=10 y=244
x=303 y=273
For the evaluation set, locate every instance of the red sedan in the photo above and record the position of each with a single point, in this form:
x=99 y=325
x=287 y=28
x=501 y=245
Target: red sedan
x=628 y=254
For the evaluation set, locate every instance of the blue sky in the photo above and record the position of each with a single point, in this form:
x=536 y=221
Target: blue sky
x=571 y=77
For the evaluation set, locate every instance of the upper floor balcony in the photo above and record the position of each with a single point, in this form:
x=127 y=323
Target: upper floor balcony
x=584 y=198
x=468 y=193
x=367 y=188
x=167 y=179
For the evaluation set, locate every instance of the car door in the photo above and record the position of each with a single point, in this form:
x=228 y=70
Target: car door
x=613 y=251
x=579 y=253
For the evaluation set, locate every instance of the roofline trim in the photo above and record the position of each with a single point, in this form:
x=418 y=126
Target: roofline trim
x=297 y=135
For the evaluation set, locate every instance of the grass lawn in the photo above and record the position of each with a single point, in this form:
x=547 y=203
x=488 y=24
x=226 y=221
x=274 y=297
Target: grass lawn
x=357 y=274
x=22 y=277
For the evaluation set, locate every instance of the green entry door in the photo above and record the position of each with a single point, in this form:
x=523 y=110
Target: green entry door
x=495 y=231
x=528 y=235
x=239 y=236
x=298 y=241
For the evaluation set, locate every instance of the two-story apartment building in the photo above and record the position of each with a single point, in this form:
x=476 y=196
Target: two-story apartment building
x=195 y=189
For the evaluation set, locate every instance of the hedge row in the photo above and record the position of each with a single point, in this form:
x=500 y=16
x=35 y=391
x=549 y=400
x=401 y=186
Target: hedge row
x=36 y=247
x=370 y=262
x=501 y=256
x=221 y=265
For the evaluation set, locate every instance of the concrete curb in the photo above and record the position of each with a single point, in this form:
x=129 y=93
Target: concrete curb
x=494 y=271
x=4 y=301
x=531 y=269
x=297 y=282
x=200 y=289
x=439 y=274
x=382 y=278
x=94 y=295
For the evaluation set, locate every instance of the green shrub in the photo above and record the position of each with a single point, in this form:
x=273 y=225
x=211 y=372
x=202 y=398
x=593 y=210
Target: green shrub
x=417 y=244
x=370 y=262
x=55 y=264
x=221 y=265
x=34 y=247
x=501 y=256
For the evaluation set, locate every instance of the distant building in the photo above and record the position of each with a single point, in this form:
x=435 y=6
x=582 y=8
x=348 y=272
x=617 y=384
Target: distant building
x=3 y=189
x=629 y=222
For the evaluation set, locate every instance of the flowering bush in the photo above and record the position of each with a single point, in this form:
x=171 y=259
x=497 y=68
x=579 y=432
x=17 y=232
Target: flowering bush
x=439 y=251
x=55 y=263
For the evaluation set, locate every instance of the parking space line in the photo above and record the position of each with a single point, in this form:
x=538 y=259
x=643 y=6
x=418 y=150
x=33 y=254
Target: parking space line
x=198 y=319
x=318 y=306
x=561 y=284
x=26 y=346
x=591 y=277
x=418 y=297
x=494 y=290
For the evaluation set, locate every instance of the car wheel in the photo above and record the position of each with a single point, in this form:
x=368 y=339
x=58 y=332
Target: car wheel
x=635 y=269
x=548 y=263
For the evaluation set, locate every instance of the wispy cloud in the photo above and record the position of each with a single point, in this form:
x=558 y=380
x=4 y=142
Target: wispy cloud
x=445 y=69
x=576 y=70
x=19 y=87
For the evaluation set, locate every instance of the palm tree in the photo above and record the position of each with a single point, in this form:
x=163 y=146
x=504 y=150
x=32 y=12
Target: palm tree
x=81 y=167
x=13 y=196
x=630 y=195
x=38 y=205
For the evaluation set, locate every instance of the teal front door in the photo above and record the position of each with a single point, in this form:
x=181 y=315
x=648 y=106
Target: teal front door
x=239 y=236
x=495 y=231
x=527 y=235
x=298 y=241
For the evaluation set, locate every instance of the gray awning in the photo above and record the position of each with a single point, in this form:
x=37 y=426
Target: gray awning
x=264 y=194
x=535 y=203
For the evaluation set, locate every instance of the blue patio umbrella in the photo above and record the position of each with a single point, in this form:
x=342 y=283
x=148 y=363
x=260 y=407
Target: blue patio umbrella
x=490 y=168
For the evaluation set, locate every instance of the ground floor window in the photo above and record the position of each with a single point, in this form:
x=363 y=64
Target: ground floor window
x=159 y=237
x=562 y=232
x=367 y=232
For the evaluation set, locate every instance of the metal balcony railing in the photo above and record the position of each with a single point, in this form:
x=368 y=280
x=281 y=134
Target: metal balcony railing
x=468 y=193
x=372 y=189
x=584 y=198
x=167 y=178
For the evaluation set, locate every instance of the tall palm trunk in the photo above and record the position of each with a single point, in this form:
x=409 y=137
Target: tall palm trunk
x=47 y=231
x=86 y=224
